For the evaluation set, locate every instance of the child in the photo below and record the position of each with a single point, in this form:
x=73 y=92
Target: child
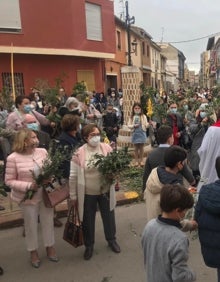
x=207 y=214
x=110 y=123
x=165 y=246
x=139 y=124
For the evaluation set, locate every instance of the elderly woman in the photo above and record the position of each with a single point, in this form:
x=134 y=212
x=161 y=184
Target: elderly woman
x=25 y=161
x=72 y=106
x=86 y=188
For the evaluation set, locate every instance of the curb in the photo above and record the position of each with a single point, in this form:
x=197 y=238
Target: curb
x=13 y=218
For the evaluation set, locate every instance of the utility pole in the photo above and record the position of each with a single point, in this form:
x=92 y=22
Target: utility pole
x=129 y=20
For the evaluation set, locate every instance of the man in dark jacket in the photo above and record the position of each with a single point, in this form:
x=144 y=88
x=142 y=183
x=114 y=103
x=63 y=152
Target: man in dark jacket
x=207 y=215
x=156 y=157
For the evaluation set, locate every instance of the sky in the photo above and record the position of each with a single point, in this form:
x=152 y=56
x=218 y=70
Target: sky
x=175 y=21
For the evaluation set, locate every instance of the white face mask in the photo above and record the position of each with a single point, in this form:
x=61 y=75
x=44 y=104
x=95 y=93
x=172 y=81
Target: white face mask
x=94 y=141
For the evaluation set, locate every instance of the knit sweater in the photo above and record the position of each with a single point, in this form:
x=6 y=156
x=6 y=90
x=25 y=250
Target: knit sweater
x=77 y=179
x=165 y=249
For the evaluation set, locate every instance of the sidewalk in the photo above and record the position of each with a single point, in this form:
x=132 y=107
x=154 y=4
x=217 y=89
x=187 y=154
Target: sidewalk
x=12 y=216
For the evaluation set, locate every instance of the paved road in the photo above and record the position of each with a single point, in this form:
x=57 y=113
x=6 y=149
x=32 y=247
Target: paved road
x=104 y=266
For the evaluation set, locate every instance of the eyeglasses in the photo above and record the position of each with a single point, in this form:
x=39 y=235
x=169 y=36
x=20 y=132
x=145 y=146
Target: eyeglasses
x=94 y=134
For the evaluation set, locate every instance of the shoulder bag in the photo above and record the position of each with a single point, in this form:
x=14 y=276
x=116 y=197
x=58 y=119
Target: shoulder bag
x=73 y=232
x=55 y=192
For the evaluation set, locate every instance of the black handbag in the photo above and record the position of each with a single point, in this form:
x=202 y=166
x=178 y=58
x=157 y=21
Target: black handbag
x=73 y=232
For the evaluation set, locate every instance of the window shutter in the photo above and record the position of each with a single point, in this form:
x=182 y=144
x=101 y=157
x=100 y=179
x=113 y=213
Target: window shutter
x=10 y=15
x=93 y=22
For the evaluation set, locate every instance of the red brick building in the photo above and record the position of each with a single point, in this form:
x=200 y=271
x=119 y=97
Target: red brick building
x=49 y=39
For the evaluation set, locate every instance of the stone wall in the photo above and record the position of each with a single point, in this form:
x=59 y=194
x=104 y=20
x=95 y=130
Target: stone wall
x=131 y=91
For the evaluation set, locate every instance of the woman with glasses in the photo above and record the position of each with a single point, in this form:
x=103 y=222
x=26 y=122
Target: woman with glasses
x=86 y=190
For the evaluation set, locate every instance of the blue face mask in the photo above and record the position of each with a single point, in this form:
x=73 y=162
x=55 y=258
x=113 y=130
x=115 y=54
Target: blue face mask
x=33 y=126
x=27 y=108
x=185 y=107
x=203 y=114
x=173 y=111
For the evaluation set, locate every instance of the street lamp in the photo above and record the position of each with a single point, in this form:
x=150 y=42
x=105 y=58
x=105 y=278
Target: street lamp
x=129 y=20
x=134 y=46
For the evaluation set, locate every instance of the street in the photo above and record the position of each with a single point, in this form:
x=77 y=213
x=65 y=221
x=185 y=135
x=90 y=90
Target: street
x=105 y=266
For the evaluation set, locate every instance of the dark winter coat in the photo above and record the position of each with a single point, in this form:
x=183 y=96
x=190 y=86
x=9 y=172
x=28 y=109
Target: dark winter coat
x=68 y=143
x=207 y=214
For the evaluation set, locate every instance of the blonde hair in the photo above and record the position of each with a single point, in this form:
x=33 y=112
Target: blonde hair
x=19 y=141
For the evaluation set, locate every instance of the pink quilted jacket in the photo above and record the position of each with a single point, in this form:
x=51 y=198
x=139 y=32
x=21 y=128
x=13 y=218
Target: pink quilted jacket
x=18 y=174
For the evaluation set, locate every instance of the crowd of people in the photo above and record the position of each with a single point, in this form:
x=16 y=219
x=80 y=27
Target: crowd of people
x=188 y=149
x=32 y=128
x=186 y=133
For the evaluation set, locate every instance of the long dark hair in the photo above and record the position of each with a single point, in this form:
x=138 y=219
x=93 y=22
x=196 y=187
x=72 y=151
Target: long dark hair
x=136 y=104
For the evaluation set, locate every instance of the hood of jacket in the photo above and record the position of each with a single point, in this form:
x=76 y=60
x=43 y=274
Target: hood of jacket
x=153 y=183
x=210 y=197
x=158 y=177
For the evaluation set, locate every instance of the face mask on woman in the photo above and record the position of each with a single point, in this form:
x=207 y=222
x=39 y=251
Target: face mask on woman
x=27 y=108
x=33 y=126
x=185 y=107
x=203 y=114
x=137 y=112
x=173 y=110
x=94 y=141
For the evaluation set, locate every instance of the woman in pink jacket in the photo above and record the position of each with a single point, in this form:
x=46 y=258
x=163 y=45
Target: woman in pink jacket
x=16 y=119
x=25 y=161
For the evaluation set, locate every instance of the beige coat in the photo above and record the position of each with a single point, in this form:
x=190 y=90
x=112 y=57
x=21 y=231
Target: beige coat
x=152 y=195
x=152 y=200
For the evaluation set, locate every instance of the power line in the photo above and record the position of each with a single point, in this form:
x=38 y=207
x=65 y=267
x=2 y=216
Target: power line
x=196 y=39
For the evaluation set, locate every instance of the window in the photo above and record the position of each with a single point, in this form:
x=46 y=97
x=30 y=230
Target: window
x=18 y=80
x=93 y=22
x=143 y=48
x=148 y=51
x=118 y=40
x=10 y=16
